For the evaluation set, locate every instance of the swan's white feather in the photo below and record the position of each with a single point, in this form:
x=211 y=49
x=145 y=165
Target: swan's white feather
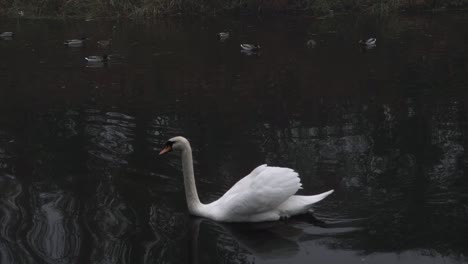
x=299 y=204
x=266 y=194
x=262 y=191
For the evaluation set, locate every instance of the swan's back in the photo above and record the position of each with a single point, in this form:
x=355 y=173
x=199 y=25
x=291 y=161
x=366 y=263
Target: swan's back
x=263 y=190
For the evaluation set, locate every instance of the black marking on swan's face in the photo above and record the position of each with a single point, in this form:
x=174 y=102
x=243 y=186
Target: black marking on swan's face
x=167 y=148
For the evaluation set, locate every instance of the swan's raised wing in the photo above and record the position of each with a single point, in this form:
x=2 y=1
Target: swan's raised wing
x=264 y=189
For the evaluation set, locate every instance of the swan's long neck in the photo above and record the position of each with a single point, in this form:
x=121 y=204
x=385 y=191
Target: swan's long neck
x=191 y=194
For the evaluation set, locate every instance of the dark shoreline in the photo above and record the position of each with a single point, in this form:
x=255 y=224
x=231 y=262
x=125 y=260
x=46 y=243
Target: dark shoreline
x=103 y=10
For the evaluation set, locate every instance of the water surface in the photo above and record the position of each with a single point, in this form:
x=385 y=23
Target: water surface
x=81 y=181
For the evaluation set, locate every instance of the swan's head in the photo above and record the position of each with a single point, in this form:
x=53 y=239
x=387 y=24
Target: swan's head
x=175 y=143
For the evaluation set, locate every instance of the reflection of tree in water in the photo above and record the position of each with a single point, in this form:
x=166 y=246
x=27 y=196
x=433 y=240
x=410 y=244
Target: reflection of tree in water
x=168 y=226
x=448 y=137
x=111 y=220
x=48 y=212
x=11 y=250
x=7 y=144
x=418 y=185
x=40 y=218
x=170 y=229
x=333 y=148
x=55 y=235
x=111 y=135
x=402 y=162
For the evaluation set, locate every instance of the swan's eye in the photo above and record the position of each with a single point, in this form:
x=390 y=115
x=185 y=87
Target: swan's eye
x=167 y=148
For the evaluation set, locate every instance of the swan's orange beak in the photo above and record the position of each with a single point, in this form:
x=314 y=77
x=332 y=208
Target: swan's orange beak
x=165 y=150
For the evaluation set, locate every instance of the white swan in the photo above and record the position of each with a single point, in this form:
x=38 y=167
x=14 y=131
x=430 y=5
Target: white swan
x=266 y=194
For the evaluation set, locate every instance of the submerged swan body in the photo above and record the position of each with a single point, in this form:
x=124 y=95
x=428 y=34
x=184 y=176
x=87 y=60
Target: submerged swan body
x=266 y=194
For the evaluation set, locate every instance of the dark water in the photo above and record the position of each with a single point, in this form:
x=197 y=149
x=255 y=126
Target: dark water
x=81 y=182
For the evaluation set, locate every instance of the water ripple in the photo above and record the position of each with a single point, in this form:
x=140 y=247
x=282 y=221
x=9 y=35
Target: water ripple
x=10 y=218
x=55 y=235
x=7 y=143
x=162 y=128
x=111 y=135
x=169 y=228
x=112 y=222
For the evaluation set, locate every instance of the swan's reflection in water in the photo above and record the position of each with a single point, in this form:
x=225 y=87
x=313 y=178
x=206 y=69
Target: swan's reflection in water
x=264 y=241
x=296 y=242
x=257 y=242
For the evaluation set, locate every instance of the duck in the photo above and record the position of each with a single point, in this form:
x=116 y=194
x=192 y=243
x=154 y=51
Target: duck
x=370 y=41
x=74 y=43
x=311 y=43
x=223 y=35
x=104 y=43
x=250 y=47
x=6 y=34
x=265 y=194
x=97 y=59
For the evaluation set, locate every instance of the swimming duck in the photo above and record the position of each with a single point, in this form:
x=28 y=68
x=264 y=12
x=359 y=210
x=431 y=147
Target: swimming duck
x=311 y=43
x=250 y=47
x=104 y=43
x=6 y=34
x=97 y=59
x=223 y=35
x=370 y=41
x=74 y=43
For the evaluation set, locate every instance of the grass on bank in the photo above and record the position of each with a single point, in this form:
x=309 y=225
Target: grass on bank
x=157 y=8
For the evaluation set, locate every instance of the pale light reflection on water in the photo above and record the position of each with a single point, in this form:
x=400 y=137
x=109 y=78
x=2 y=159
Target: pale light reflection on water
x=81 y=181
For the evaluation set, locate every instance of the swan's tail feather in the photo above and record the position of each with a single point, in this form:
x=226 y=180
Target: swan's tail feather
x=299 y=204
x=317 y=198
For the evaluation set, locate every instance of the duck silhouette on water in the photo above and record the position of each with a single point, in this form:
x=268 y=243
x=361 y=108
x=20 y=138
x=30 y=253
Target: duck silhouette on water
x=223 y=36
x=250 y=47
x=7 y=35
x=368 y=44
x=97 y=59
x=75 y=43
